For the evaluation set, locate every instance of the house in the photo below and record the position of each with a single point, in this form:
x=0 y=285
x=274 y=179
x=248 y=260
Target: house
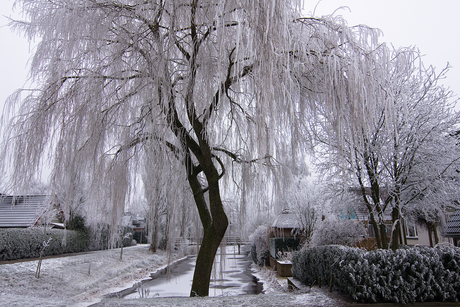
x=138 y=225
x=414 y=232
x=29 y=211
x=286 y=224
x=285 y=236
x=452 y=228
x=285 y=233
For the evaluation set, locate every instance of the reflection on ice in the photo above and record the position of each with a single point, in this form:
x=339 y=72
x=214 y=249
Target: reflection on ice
x=231 y=276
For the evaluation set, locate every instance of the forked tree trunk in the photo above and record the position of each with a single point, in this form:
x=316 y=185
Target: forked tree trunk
x=214 y=221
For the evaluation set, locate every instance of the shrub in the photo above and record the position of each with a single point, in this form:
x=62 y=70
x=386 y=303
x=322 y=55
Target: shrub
x=76 y=222
x=310 y=265
x=19 y=243
x=259 y=249
x=342 y=232
x=405 y=276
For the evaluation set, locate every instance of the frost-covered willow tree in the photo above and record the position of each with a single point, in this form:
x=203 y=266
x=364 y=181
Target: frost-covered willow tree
x=165 y=191
x=209 y=85
x=402 y=158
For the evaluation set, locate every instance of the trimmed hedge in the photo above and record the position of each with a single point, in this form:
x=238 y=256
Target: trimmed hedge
x=408 y=275
x=310 y=265
x=19 y=243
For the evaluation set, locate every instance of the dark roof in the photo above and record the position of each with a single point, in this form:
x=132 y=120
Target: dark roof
x=21 y=211
x=452 y=228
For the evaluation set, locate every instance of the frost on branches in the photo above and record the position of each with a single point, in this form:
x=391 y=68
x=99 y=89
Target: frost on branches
x=220 y=90
x=404 y=158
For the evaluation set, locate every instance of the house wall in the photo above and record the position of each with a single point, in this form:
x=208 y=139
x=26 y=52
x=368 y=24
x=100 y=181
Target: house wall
x=423 y=237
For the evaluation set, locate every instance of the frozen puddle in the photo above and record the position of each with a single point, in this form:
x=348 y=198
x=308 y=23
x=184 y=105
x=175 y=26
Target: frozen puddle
x=231 y=276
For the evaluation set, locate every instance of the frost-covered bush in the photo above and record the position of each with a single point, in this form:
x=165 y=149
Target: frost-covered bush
x=19 y=243
x=404 y=276
x=408 y=275
x=450 y=258
x=310 y=265
x=77 y=222
x=342 y=232
x=260 y=249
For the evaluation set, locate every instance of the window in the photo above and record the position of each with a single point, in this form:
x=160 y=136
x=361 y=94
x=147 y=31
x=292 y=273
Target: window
x=411 y=230
x=348 y=214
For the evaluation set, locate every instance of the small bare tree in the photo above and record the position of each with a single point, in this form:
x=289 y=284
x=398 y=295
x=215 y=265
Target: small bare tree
x=45 y=244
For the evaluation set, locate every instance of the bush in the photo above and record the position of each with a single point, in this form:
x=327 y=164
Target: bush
x=341 y=232
x=259 y=249
x=77 y=222
x=19 y=243
x=405 y=276
x=310 y=265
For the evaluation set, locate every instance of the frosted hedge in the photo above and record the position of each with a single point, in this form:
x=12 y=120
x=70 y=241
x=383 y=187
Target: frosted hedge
x=408 y=275
x=259 y=246
x=28 y=242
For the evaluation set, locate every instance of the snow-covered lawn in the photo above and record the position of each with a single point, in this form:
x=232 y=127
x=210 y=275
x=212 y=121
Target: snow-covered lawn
x=78 y=280
x=83 y=279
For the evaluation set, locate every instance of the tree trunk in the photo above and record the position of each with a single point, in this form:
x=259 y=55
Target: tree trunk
x=154 y=235
x=376 y=231
x=165 y=242
x=204 y=263
x=428 y=226
x=404 y=232
x=213 y=235
x=396 y=231
x=435 y=233
x=383 y=236
x=370 y=208
x=214 y=221
x=371 y=164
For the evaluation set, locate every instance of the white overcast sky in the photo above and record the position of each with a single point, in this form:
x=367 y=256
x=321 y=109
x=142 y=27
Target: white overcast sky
x=431 y=25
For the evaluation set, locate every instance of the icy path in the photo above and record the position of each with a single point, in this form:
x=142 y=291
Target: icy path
x=231 y=276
